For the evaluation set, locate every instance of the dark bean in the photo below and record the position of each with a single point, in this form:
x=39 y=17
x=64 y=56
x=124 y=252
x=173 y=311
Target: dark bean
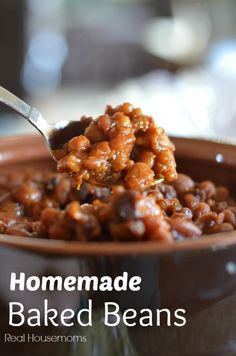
x=170 y=206
x=206 y=220
x=229 y=217
x=210 y=202
x=233 y=209
x=168 y=191
x=200 y=209
x=220 y=206
x=62 y=190
x=190 y=200
x=184 y=227
x=222 y=193
x=178 y=215
x=127 y=230
x=208 y=187
x=183 y=183
x=157 y=229
x=220 y=218
x=28 y=193
x=224 y=227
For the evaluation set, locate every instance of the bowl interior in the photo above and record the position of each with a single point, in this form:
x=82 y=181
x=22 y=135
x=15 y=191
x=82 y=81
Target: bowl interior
x=203 y=160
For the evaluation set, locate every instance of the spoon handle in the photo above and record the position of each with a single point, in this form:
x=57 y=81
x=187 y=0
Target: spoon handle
x=14 y=102
x=28 y=112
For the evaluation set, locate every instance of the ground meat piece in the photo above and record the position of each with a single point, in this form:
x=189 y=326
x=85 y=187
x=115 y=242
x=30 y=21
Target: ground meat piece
x=148 y=157
x=105 y=153
x=139 y=177
x=164 y=165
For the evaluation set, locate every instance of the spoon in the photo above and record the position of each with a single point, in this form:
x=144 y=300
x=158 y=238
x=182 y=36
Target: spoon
x=55 y=135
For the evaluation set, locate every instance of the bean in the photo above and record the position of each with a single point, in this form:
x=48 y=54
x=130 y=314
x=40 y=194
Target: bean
x=157 y=229
x=220 y=218
x=79 y=143
x=206 y=220
x=190 y=200
x=222 y=193
x=200 y=209
x=183 y=184
x=220 y=206
x=168 y=191
x=132 y=229
x=233 y=209
x=208 y=187
x=229 y=217
x=224 y=227
x=17 y=231
x=28 y=193
x=49 y=215
x=184 y=227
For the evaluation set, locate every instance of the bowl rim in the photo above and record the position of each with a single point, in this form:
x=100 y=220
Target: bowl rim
x=77 y=248
x=211 y=242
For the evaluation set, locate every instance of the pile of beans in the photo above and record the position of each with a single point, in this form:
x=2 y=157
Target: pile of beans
x=111 y=192
x=122 y=146
x=48 y=205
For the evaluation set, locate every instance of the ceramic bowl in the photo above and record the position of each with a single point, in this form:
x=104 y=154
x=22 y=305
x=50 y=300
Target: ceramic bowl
x=197 y=275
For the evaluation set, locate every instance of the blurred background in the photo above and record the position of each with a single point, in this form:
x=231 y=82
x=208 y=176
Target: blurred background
x=176 y=59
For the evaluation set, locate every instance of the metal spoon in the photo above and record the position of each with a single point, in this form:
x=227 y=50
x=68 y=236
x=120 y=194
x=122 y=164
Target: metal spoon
x=56 y=134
